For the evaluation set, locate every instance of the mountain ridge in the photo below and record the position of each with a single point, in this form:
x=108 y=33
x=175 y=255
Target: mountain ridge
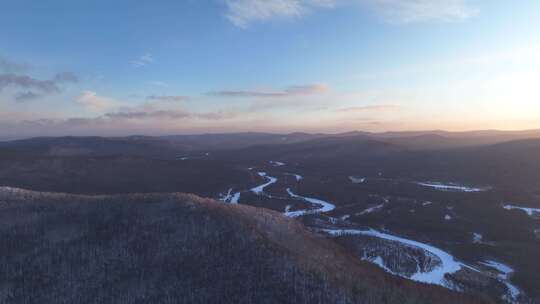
x=161 y=221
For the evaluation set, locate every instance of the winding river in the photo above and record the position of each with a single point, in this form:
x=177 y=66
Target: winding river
x=324 y=206
x=448 y=264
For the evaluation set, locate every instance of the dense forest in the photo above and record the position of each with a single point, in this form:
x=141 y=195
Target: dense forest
x=177 y=248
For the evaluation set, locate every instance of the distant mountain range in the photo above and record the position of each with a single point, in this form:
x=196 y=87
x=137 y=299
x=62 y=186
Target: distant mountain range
x=416 y=140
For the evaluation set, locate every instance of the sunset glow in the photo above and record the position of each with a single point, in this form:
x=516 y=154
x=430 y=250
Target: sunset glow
x=274 y=66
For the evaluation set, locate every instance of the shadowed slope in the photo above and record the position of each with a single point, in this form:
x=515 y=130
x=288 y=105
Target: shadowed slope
x=178 y=248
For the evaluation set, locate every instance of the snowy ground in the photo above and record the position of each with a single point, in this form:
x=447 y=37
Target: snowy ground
x=323 y=205
x=371 y=209
x=260 y=189
x=505 y=272
x=235 y=198
x=529 y=211
x=297 y=176
x=450 y=187
x=186 y=157
x=357 y=180
x=230 y=197
x=379 y=262
x=444 y=262
x=447 y=265
x=477 y=238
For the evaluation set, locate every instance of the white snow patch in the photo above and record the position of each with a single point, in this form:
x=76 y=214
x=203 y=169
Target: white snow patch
x=230 y=198
x=323 y=205
x=357 y=180
x=529 y=211
x=235 y=198
x=259 y=190
x=333 y=220
x=447 y=217
x=345 y=217
x=427 y=203
x=226 y=197
x=477 y=238
x=12 y=189
x=297 y=176
x=504 y=276
x=371 y=209
x=436 y=275
x=276 y=163
x=450 y=187
x=380 y=262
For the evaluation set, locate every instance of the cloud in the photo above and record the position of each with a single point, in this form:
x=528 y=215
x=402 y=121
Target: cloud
x=26 y=96
x=143 y=60
x=289 y=91
x=27 y=82
x=168 y=98
x=387 y=107
x=158 y=83
x=93 y=102
x=243 y=12
x=169 y=114
x=412 y=11
x=66 y=77
x=30 y=84
x=217 y=115
x=149 y=114
x=119 y=123
x=8 y=66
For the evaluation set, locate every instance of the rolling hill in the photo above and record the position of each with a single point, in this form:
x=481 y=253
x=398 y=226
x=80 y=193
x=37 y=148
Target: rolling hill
x=179 y=248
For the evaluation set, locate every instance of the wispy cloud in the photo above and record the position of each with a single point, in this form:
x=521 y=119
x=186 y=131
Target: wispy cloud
x=26 y=96
x=121 y=123
x=168 y=98
x=158 y=83
x=8 y=66
x=386 y=107
x=287 y=92
x=169 y=115
x=93 y=102
x=243 y=12
x=30 y=85
x=66 y=77
x=143 y=60
x=412 y=11
x=27 y=82
x=149 y=115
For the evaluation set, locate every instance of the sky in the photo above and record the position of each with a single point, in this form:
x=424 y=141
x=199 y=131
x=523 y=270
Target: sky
x=70 y=67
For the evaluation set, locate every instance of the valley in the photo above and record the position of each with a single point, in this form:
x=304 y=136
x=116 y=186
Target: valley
x=407 y=212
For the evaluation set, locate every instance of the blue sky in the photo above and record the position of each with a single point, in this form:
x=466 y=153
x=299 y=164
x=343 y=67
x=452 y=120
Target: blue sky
x=160 y=67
